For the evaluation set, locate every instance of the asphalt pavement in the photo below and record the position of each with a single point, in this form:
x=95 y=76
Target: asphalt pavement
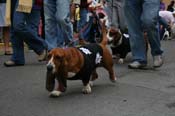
x=137 y=92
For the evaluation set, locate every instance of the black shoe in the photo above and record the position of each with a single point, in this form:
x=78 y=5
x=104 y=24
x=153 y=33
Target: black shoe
x=11 y=63
x=137 y=65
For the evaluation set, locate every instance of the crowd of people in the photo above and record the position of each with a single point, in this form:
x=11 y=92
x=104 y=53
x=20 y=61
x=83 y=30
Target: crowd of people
x=63 y=19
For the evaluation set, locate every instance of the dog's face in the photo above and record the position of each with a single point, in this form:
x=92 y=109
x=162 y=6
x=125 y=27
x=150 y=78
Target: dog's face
x=55 y=59
x=55 y=62
x=114 y=37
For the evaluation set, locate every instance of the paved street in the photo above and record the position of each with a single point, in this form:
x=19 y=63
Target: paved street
x=136 y=93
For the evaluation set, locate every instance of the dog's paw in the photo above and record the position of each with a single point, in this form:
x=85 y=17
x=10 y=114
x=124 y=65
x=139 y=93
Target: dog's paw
x=87 y=89
x=114 y=79
x=55 y=93
x=121 y=61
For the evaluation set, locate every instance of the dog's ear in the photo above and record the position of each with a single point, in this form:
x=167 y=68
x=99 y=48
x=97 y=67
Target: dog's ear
x=59 y=53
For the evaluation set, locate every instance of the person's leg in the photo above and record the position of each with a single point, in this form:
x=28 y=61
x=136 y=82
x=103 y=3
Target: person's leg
x=6 y=37
x=85 y=24
x=83 y=18
x=51 y=26
x=85 y=32
x=109 y=10
x=18 y=48
x=150 y=24
x=133 y=11
x=17 y=43
x=26 y=26
x=63 y=20
x=120 y=14
x=115 y=14
x=32 y=22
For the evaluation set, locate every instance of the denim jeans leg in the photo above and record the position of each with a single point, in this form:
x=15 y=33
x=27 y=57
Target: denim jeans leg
x=18 y=48
x=17 y=43
x=25 y=27
x=51 y=26
x=133 y=12
x=150 y=21
x=83 y=18
x=85 y=34
x=63 y=19
x=58 y=28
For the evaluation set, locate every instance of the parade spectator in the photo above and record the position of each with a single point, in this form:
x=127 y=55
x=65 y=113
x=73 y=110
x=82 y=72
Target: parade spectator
x=142 y=15
x=5 y=28
x=166 y=21
x=58 y=27
x=171 y=6
x=167 y=16
x=24 y=29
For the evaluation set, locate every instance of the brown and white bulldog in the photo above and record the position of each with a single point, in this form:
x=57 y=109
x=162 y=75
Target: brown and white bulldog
x=119 y=43
x=78 y=63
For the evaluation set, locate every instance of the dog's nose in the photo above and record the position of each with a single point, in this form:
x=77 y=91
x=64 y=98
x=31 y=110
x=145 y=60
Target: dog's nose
x=49 y=67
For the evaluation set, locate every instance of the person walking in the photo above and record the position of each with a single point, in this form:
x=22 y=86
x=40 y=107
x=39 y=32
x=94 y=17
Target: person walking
x=24 y=29
x=142 y=15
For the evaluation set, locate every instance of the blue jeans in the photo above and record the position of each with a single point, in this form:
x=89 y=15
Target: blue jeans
x=24 y=29
x=116 y=14
x=58 y=28
x=83 y=18
x=142 y=15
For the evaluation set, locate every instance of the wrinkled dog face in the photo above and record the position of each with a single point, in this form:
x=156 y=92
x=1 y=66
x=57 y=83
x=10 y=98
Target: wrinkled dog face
x=54 y=62
x=55 y=57
x=114 y=37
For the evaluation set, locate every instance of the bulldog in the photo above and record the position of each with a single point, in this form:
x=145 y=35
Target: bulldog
x=119 y=43
x=78 y=63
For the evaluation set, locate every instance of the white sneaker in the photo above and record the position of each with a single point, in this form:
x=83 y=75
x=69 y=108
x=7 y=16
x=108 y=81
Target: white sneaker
x=158 y=61
x=137 y=65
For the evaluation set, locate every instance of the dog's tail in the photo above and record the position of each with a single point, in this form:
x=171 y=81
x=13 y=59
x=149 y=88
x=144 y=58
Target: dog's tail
x=104 y=33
